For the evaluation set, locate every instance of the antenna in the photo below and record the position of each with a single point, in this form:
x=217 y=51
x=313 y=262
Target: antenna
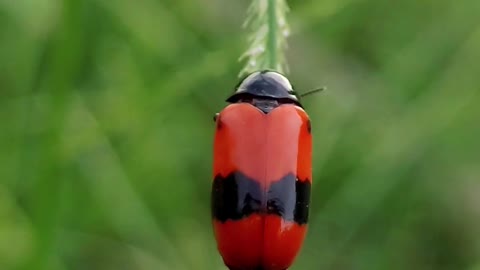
x=313 y=91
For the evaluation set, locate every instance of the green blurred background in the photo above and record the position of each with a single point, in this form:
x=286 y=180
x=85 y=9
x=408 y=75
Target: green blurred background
x=106 y=131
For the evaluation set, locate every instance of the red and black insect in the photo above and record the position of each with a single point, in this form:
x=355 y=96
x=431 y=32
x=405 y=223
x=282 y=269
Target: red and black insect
x=262 y=174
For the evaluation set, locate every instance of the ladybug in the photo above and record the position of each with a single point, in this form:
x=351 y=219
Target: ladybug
x=262 y=174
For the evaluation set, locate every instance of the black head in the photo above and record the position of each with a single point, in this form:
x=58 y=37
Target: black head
x=268 y=85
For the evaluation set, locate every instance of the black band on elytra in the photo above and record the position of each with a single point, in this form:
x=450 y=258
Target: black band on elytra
x=237 y=196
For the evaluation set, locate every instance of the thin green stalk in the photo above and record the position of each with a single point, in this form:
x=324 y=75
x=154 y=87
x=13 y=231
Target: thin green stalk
x=266 y=22
x=272 y=35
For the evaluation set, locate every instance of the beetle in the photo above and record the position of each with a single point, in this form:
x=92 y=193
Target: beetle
x=262 y=174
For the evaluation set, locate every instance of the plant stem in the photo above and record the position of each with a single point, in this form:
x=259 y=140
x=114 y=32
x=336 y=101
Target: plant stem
x=272 y=48
x=266 y=22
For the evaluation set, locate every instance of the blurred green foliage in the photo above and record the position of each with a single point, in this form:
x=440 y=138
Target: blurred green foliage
x=106 y=131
